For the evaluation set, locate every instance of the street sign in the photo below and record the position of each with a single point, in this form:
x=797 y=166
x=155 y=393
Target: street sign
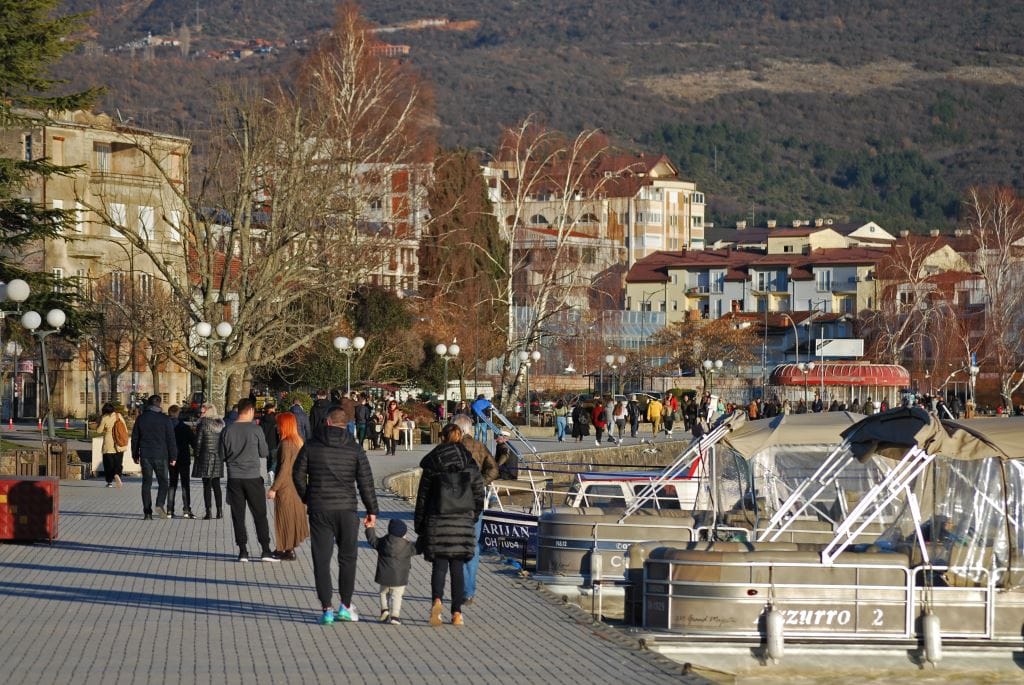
x=839 y=347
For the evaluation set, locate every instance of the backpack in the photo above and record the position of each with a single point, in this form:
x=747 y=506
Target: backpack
x=120 y=433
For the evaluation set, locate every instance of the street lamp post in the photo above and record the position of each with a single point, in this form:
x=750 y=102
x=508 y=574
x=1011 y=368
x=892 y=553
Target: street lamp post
x=711 y=367
x=348 y=347
x=974 y=370
x=609 y=359
x=447 y=353
x=619 y=361
x=805 y=369
x=796 y=335
x=31 y=321
x=528 y=359
x=205 y=331
x=17 y=291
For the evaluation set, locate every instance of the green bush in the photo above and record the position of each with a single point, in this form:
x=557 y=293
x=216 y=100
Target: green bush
x=303 y=398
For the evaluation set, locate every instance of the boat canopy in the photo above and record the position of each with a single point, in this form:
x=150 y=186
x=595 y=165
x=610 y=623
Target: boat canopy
x=824 y=428
x=892 y=433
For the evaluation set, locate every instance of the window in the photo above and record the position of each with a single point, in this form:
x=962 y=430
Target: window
x=80 y=217
x=675 y=305
x=665 y=497
x=59 y=205
x=604 y=496
x=118 y=217
x=823 y=278
x=146 y=285
x=101 y=154
x=697 y=198
x=787 y=248
x=539 y=219
x=147 y=223
x=174 y=226
x=376 y=203
x=57 y=150
x=589 y=218
x=58 y=279
x=82 y=283
x=26 y=144
x=117 y=279
x=764 y=280
x=698 y=221
x=624 y=218
x=718 y=282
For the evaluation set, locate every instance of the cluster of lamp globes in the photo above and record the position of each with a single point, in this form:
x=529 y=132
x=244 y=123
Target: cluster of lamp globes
x=347 y=346
x=17 y=291
x=529 y=357
x=205 y=330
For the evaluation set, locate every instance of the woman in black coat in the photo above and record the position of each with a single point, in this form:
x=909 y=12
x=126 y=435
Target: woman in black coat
x=580 y=422
x=451 y=482
x=208 y=463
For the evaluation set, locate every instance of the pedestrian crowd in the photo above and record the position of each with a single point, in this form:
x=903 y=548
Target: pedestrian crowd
x=319 y=479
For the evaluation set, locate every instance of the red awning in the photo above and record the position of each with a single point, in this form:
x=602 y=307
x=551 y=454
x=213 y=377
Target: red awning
x=843 y=374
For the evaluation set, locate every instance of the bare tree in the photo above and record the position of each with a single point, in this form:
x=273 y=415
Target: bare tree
x=542 y=163
x=686 y=344
x=277 y=230
x=995 y=219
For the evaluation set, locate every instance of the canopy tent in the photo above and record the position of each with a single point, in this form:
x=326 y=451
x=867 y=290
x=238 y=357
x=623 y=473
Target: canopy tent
x=824 y=428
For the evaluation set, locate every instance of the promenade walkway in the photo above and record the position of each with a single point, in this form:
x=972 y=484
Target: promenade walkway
x=120 y=600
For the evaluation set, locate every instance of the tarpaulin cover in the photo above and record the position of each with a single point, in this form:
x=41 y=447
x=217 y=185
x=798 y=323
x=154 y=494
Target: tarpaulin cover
x=825 y=428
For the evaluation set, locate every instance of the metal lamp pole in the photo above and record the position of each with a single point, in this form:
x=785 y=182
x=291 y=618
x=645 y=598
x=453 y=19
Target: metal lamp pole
x=712 y=366
x=31 y=321
x=447 y=353
x=17 y=291
x=348 y=347
x=205 y=331
x=609 y=359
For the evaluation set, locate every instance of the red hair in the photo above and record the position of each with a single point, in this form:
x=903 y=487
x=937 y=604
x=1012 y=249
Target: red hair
x=288 y=427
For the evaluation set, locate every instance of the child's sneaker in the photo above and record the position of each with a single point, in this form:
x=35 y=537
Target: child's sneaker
x=346 y=614
x=395 y=621
x=327 y=618
x=384 y=616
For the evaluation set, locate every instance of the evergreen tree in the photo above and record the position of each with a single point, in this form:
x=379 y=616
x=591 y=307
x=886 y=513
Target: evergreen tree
x=31 y=40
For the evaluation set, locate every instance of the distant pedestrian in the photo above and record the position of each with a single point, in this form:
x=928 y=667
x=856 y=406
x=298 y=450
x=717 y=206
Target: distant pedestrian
x=348 y=404
x=268 y=424
x=305 y=429
x=394 y=420
x=318 y=413
x=154 y=448
x=291 y=523
x=243 y=447
x=449 y=500
x=561 y=412
x=508 y=466
x=609 y=418
x=328 y=471
x=185 y=438
x=654 y=412
x=633 y=413
x=481 y=409
x=363 y=414
x=597 y=417
x=580 y=422
x=115 y=442
x=394 y=559
x=489 y=471
x=209 y=464
x=620 y=415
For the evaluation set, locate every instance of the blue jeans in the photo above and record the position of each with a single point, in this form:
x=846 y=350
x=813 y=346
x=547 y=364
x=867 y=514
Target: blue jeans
x=560 y=423
x=480 y=432
x=470 y=567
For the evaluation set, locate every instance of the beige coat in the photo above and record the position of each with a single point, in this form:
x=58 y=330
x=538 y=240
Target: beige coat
x=393 y=425
x=106 y=427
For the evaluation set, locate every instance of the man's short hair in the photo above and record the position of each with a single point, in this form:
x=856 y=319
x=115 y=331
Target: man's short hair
x=269 y=406
x=464 y=423
x=245 y=404
x=155 y=400
x=337 y=417
x=173 y=410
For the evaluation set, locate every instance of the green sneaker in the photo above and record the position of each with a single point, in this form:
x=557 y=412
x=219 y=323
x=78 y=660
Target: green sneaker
x=348 y=614
x=328 y=617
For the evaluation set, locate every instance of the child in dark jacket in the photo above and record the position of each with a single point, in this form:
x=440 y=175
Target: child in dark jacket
x=394 y=558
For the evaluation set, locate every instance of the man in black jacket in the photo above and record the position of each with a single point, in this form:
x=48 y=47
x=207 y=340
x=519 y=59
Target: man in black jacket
x=328 y=471
x=318 y=412
x=269 y=425
x=154 y=448
x=181 y=467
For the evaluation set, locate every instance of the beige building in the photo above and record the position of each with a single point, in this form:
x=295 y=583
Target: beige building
x=118 y=184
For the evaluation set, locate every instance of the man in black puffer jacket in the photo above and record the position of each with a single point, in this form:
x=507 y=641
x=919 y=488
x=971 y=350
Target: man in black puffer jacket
x=328 y=471
x=155 y=448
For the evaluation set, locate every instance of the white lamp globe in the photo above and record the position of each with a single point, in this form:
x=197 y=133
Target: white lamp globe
x=341 y=343
x=31 y=320
x=17 y=290
x=224 y=329
x=453 y=350
x=204 y=330
x=621 y=359
x=441 y=349
x=56 y=318
x=718 y=364
x=708 y=364
x=535 y=355
x=358 y=342
x=523 y=356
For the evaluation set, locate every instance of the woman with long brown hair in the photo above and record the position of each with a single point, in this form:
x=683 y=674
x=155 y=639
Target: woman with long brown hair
x=291 y=525
x=393 y=420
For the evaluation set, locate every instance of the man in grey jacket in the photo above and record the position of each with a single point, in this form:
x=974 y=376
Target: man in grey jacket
x=243 y=448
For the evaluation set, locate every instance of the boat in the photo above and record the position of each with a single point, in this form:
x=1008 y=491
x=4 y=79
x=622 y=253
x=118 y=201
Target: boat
x=944 y=572
x=732 y=471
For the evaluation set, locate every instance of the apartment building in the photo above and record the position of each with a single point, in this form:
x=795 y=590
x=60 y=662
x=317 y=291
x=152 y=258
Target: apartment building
x=395 y=218
x=128 y=177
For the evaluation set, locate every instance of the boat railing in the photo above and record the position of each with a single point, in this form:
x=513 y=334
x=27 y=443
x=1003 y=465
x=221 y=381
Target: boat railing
x=870 y=607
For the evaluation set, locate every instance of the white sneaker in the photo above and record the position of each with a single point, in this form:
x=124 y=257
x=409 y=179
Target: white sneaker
x=597 y=442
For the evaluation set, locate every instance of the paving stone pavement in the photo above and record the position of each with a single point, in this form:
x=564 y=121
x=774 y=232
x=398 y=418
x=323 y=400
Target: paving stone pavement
x=121 y=600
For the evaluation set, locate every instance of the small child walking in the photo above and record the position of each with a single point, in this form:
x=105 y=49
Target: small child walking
x=394 y=558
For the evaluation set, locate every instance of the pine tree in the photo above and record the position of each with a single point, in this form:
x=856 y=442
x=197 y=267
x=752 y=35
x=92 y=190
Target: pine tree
x=31 y=40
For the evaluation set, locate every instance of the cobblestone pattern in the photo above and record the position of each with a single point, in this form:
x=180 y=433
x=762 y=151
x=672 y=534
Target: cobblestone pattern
x=121 y=600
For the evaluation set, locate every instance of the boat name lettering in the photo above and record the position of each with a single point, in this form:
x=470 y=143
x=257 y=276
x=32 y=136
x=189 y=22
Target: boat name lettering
x=816 y=617
x=505 y=530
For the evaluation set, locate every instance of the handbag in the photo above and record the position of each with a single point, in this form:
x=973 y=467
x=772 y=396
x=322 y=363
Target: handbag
x=451 y=492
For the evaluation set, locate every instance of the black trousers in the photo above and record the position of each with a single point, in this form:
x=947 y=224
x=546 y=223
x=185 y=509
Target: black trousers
x=211 y=486
x=151 y=467
x=443 y=567
x=327 y=528
x=113 y=463
x=243 y=492
x=179 y=472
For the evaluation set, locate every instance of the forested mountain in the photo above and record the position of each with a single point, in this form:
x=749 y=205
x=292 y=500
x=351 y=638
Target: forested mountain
x=884 y=109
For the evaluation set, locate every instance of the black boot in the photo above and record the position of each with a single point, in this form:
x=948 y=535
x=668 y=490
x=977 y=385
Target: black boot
x=170 y=500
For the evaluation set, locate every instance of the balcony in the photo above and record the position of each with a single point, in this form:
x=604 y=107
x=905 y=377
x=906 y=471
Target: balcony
x=697 y=291
x=110 y=178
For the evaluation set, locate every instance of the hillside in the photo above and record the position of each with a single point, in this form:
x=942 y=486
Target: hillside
x=882 y=109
